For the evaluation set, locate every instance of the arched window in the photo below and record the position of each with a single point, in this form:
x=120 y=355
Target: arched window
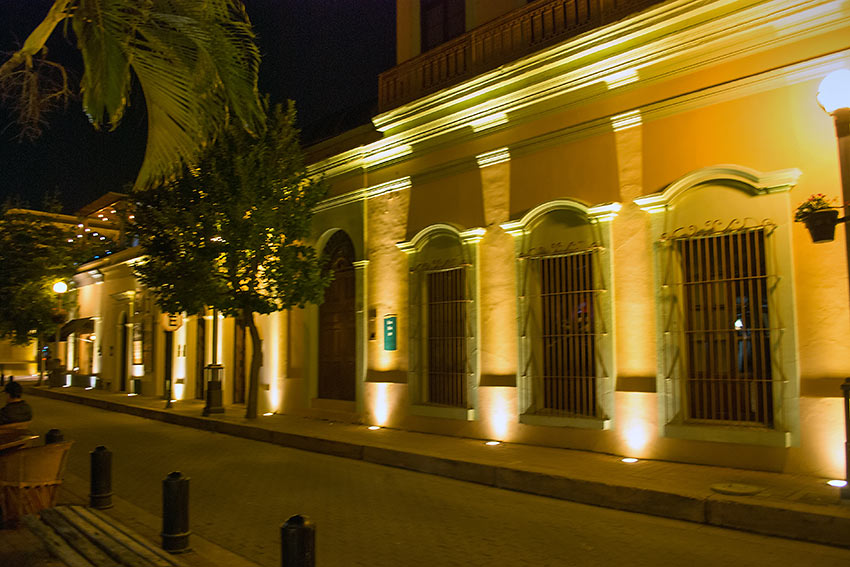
x=566 y=351
x=443 y=320
x=725 y=305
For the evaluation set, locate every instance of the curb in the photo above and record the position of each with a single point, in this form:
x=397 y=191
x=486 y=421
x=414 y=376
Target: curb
x=794 y=521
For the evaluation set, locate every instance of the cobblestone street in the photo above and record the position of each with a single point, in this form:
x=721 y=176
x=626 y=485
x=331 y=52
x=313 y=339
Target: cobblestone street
x=370 y=515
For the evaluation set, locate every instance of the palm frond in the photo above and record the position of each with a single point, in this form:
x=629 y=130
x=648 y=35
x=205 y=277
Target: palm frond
x=196 y=61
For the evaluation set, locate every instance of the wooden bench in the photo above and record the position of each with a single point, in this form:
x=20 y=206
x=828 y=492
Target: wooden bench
x=84 y=537
x=25 y=425
x=16 y=435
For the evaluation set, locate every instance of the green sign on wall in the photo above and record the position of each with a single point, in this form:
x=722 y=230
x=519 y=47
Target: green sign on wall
x=389 y=332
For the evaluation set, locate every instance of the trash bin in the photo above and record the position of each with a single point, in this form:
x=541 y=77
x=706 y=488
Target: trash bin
x=213 y=375
x=57 y=376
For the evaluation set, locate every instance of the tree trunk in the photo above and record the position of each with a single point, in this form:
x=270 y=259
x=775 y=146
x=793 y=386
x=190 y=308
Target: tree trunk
x=256 y=364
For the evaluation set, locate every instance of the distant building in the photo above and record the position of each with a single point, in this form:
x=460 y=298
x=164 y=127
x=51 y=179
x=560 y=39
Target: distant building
x=571 y=226
x=92 y=221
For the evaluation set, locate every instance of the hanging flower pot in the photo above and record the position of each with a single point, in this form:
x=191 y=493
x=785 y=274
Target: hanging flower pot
x=821 y=224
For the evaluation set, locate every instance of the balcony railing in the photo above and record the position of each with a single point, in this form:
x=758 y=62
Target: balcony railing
x=504 y=39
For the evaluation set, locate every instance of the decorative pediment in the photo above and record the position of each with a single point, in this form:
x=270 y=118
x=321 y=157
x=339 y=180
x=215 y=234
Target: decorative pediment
x=736 y=176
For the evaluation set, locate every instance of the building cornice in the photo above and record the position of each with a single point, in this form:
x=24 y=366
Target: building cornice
x=127 y=256
x=364 y=194
x=669 y=39
x=685 y=34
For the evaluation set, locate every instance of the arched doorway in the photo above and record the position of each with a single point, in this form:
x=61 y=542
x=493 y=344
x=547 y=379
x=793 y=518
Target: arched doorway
x=337 y=323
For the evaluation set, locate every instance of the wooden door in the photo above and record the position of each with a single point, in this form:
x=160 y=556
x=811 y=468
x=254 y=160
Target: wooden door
x=337 y=324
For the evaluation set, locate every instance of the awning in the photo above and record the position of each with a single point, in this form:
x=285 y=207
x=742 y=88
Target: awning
x=84 y=326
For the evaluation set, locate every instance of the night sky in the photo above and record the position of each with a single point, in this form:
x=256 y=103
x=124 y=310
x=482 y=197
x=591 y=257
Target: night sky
x=324 y=54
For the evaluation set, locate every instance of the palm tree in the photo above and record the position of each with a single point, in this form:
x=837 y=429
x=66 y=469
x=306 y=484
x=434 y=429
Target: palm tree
x=196 y=62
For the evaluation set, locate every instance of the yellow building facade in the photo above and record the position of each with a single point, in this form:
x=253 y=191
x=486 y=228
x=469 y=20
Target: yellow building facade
x=571 y=226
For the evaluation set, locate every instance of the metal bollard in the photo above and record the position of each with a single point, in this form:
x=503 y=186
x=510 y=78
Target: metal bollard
x=175 y=513
x=100 y=496
x=298 y=542
x=53 y=436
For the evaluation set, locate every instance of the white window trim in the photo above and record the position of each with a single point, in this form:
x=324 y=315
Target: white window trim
x=600 y=218
x=786 y=427
x=469 y=240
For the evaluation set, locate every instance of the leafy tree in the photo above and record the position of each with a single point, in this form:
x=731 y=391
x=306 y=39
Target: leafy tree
x=36 y=250
x=229 y=233
x=196 y=62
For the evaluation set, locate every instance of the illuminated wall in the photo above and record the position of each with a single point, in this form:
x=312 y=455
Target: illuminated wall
x=387 y=219
x=106 y=292
x=385 y=390
x=632 y=251
x=498 y=286
x=179 y=371
x=609 y=119
x=21 y=359
x=271 y=394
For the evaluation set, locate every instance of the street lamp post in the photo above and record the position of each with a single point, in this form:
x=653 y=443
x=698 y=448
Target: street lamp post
x=59 y=288
x=834 y=98
x=214 y=373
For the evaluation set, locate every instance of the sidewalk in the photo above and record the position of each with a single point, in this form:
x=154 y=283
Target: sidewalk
x=792 y=506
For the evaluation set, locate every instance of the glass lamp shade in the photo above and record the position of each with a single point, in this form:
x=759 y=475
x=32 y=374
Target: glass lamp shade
x=60 y=287
x=834 y=91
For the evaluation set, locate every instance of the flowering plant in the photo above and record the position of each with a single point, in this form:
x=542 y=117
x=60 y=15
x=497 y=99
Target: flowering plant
x=817 y=202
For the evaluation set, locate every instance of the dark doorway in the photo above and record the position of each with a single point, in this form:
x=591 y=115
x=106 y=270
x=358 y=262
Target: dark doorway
x=447 y=337
x=238 y=361
x=200 y=356
x=123 y=360
x=337 y=324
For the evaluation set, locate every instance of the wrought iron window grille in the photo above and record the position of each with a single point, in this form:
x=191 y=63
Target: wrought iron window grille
x=562 y=328
x=720 y=322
